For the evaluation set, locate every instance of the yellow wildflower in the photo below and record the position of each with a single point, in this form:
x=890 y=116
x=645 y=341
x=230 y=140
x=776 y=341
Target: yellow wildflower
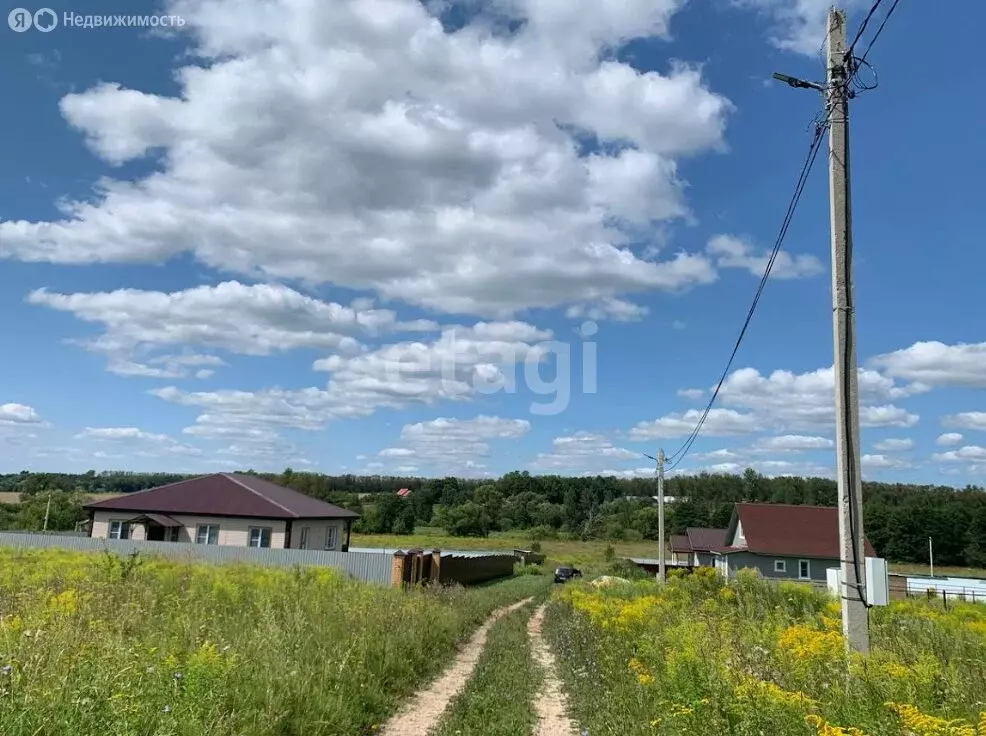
x=922 y=724
x=824 y=728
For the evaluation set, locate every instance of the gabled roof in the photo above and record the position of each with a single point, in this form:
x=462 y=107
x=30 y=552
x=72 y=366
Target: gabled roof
x=703 y=539
x=679 y=543
x=225 y=494
x=788 y=531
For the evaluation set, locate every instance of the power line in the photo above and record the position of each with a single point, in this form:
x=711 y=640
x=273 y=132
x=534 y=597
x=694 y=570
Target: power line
x=862 y=29
x=676 y=457
x=879 y=30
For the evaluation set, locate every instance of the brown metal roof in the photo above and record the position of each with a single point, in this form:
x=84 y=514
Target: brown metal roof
x=702 y=539
x=679 y=543
x=784 y=530
x=226 y=494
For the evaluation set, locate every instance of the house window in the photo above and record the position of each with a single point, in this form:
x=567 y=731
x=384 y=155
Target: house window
x=207 y=534
x=331 y=537
x=119 y=530
x=804 y=569
x=303 y=542
x=260 y=536
x=173 y=534
x=780 y=565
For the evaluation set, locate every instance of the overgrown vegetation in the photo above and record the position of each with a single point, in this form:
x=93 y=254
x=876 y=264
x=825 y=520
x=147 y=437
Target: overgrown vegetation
x=700 y=656
x=497 y=700
x=899 y=517
x=100 y=644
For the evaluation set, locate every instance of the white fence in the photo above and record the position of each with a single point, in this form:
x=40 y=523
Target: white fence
x=364 y=565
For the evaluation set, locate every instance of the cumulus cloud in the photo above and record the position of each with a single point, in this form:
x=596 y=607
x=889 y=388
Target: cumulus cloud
x=949 y=439
x=965 y=454
x=18 y=414
x=793 y=443
x=797 y=25
x=440 y=193
x=248 y=320
x=936 y=364
x=138 y=441
x=576 y=452
x=882 y=462
x=894 y=445
x=455 y=445
x=975 y=420
x=731 y=252
x=618 y=310
x=719 y=423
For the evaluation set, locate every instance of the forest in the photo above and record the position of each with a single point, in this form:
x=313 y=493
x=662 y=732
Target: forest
x=899 y=517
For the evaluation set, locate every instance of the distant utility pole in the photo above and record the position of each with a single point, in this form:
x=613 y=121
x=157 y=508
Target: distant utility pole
x=931 y=557
x=661 y=566
x=855 y=624
x=47 y=511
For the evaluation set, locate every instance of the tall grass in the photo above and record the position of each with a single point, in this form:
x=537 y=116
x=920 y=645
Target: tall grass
x=700 y=656
x=92 y=644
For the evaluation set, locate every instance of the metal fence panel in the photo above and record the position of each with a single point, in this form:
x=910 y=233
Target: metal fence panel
x=367 y=566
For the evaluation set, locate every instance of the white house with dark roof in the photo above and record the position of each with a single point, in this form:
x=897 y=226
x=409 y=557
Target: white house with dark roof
x=230 y=509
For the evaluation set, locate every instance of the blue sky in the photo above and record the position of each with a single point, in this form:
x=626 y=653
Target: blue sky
x=339 y=239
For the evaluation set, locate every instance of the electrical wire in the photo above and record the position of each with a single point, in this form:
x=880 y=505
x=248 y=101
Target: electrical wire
x=848 y=338
x=676 y=457
x=862 y=29
x=879 y=30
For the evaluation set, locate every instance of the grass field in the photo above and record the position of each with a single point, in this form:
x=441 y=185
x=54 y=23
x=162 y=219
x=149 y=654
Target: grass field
x=93 y=644
x=700 y=657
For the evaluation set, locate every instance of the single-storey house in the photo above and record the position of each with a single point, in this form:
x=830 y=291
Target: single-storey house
x=695 y=546
x=782 y=541
x=681 y=550
x=230 y=509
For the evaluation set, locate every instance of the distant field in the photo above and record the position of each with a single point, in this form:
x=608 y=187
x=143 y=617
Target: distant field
x=12 y=497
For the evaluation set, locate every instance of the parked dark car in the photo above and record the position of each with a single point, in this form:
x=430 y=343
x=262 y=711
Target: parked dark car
x=563 y=574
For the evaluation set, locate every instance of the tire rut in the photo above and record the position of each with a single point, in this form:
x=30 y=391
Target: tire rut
x=550 y=703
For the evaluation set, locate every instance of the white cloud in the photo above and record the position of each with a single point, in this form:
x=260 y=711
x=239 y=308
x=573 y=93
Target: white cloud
x=949 y=439
x=807 y=400
x=440 y=193
x=882 y=462
x=731 y=252
x=618 y=310
x=139 y=442
x=576 y=451
x=719 y=423
x=975 y=420
x=965 y=454
x=18 y=414
x=678 y=325
x=455 y=445
x=769 y=468
x=894 y=445
x=793 y=443
x=798 y=25
x=691 y=393
x=936 y=364
x=249 y=320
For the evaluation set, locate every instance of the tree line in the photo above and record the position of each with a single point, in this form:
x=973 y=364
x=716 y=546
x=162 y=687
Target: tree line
x=899 y=517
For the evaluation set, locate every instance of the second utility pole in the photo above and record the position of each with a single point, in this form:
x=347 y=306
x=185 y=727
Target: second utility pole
x=851 y=550
x=662 y=570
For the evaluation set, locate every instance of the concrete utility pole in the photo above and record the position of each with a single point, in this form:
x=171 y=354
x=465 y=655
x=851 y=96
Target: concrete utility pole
x=931 y=557
x=661 y=566
x=47 y=511
x=855 y=624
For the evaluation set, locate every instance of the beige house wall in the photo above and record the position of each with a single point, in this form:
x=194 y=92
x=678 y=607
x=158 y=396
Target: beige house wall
x=318 y=529
x=233 y=532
